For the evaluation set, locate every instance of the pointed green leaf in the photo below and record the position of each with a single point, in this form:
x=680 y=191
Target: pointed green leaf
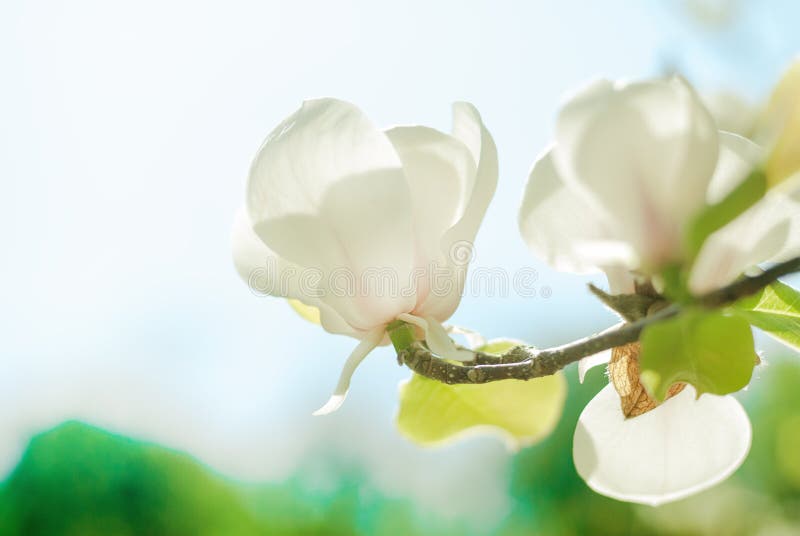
x=710 y=350
x=775 y=310
x=522 y=412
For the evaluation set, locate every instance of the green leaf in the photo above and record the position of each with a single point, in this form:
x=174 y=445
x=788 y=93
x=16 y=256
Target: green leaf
x=522 y=412
x=775 y=310
x=710 y=350
x=716 y=216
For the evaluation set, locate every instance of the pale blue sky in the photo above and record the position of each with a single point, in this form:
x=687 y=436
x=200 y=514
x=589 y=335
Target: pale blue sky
x=126 y=131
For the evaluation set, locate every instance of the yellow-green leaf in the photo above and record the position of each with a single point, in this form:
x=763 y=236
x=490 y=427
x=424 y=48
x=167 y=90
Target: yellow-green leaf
x=710 y=350
x=522 y=412
x=775 y=310
x=309 y=312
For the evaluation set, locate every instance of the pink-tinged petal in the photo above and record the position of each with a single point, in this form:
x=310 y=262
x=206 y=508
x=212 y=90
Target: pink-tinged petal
x=682 y=447
x=645 y=152
x=620 y=281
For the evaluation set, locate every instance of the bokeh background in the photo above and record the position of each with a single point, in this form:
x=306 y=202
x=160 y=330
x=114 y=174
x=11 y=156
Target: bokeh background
x=145 y=390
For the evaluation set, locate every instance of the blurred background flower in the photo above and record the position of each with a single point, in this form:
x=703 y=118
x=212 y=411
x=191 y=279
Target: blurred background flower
x=126 y=135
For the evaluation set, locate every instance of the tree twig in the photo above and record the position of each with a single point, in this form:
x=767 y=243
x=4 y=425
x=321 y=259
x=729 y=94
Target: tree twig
x=527 y=362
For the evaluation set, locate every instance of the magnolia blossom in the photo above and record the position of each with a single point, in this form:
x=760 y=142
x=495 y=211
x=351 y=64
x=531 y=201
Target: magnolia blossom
x=631 y=165
x=366 y=225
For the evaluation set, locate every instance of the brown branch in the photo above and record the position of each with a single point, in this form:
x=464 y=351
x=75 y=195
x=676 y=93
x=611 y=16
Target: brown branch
x=526 y=362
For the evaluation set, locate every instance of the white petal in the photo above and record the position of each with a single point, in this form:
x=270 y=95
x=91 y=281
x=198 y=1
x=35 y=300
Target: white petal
x=370 y=341
x=440 y=171
x=265 y=272
x=758 y=235
x=680 y=448
x=327 y=191
x=737 y=158
x=474 y=339
x=561 y=226
x=646 y=153
x=261 y=268
x=437 y=339
x=588 y=363
x=323 y=142
x=732 y=113
x=457 y=241
x=469 y=128
x=620 y=281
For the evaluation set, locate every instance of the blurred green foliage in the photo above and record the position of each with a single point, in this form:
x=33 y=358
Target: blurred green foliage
x=79 y=480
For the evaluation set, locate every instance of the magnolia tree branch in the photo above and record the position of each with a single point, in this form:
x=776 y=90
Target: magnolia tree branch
x=527 y=362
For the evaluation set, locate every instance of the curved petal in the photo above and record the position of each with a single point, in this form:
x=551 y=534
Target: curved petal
x=732 y=112
x=440 y=170
x=473 y=338
x=437 y=339
x=265 y=272
x=370 y=341
x=758 y=235
x=468 y=127
x=680 y=448
x=313 y=149
x=769 y=230
x=561 y=226
x=588 y=363
x=327 y=192
x=737 y=158
x=645 y=152
x=261 y=268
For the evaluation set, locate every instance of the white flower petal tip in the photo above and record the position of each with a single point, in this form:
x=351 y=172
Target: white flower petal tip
x=333 y=403
x=680 y=448
x=588 y=363
x=370 y=341
x=473 y=338
x=436 y=337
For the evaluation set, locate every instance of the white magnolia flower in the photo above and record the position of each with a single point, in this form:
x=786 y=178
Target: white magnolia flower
x=681 y=447
x=630 y=167
x=366 y=225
